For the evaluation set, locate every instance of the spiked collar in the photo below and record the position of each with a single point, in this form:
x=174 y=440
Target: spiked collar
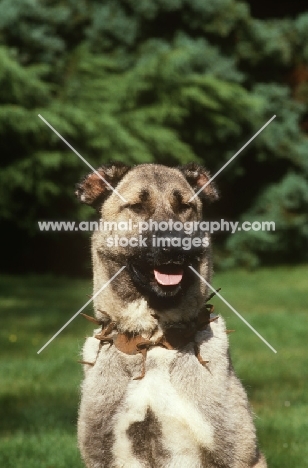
x=175 y=337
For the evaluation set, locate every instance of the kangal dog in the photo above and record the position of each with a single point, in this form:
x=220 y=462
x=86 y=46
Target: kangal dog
x=159 y=389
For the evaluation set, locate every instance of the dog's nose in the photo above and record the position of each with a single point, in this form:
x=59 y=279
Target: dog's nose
x=169 y=240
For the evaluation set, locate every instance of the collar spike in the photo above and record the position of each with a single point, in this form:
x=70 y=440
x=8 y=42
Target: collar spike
x=92 y=319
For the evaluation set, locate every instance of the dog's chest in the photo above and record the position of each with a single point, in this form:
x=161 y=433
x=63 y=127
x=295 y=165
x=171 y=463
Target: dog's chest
x=155 y=416
x=166 y=416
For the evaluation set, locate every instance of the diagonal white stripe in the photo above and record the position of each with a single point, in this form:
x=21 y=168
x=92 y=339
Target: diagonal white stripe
x=83 y=307
x=81 y=157
x=230 y=160
x=233 y=310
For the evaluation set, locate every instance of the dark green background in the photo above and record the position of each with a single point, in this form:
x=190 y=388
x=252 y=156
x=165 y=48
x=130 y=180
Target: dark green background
x=153 y=81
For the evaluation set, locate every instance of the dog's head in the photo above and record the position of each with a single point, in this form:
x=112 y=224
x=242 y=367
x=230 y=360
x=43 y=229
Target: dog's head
x=150 y=223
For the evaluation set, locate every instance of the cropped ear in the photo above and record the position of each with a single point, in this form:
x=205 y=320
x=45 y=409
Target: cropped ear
x=197 y=176
x=94 y=187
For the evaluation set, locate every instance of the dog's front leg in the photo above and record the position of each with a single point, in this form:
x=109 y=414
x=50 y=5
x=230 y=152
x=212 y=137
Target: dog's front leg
x=103 y=390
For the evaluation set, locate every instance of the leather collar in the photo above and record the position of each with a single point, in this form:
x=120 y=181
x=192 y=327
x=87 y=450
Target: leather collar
x=175 y=337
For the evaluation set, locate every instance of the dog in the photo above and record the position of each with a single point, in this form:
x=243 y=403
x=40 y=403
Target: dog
x=159 y=389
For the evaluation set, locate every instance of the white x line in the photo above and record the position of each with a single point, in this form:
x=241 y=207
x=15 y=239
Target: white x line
x=195 y=195
x=83 y=307
x=82 y=158
x=233 y=310
x=230 y=160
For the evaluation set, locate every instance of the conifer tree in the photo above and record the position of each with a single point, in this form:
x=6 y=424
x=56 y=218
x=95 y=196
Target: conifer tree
x=169 y=82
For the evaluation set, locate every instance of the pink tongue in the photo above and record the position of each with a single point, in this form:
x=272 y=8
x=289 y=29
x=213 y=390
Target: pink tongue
x=168 y=279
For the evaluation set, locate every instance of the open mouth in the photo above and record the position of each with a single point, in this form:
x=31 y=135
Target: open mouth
x=162 y=280
x=168 y=275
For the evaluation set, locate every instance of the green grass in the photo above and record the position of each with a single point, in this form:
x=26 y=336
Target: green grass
x=39 y=393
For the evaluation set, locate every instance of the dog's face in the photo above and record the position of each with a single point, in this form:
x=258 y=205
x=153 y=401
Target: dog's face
x=155 y=232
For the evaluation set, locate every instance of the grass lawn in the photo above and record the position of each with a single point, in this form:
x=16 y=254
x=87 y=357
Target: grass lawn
x=39 y=393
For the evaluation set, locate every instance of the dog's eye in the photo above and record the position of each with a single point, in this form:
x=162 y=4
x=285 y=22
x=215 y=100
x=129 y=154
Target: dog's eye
x=184 y=207
x=136 y=207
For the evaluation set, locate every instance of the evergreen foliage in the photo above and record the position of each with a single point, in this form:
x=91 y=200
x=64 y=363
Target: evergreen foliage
x=147 y=81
